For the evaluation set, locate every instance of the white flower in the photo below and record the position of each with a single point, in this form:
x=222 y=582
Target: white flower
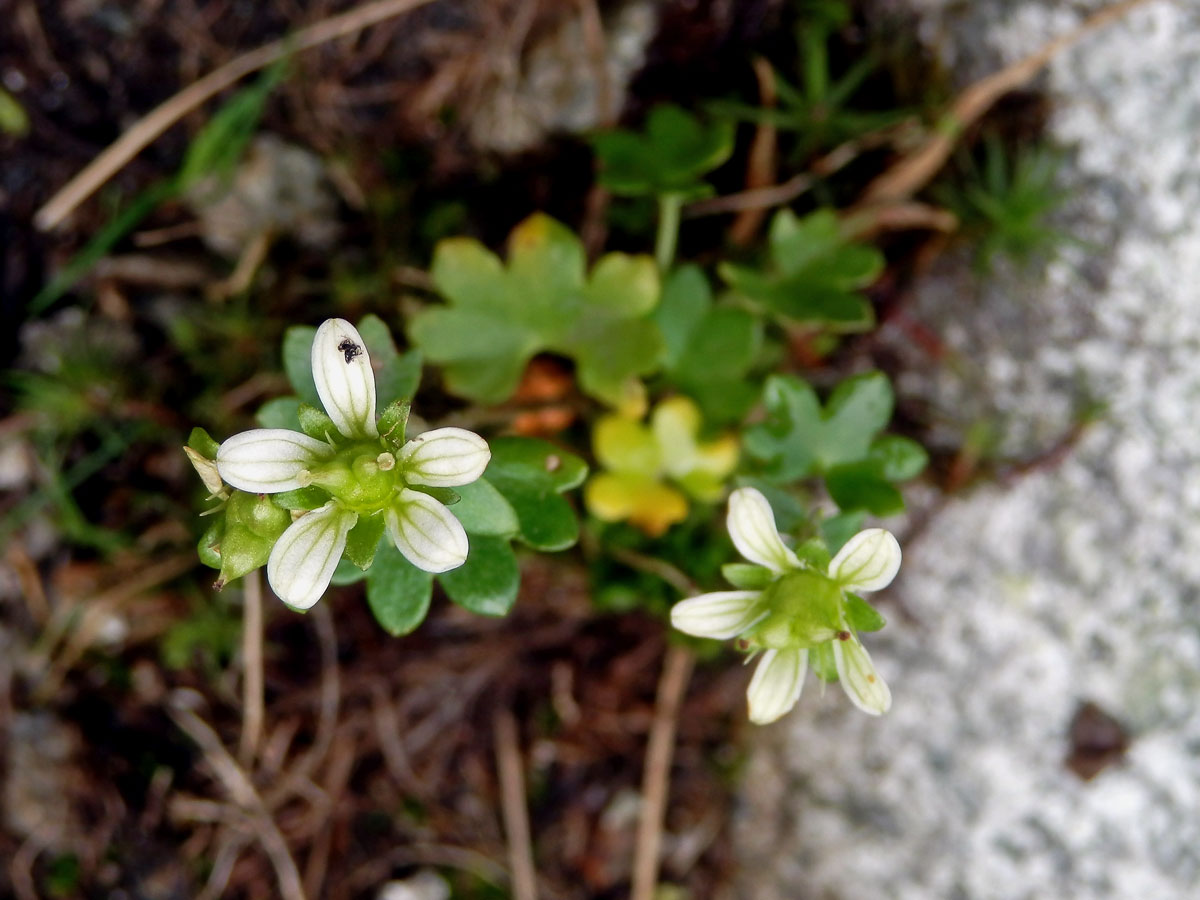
x=868 y=562
x=359 y=471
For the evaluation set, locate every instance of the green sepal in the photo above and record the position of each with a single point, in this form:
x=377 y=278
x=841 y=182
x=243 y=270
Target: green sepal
x=806 y=610
x=397 y=591
x=483 y=510
x=209 y=545
x=861 y=615
x=532 y=474
x=487 y=583
x=279 y=412
x=202 y=442
x=746 y=576
x=301 y=498
x=363 y=539
x=822 y=662
x=814 y=554
x=394 y=422
x=315 y=423
x=443 y=495
x=256 y=513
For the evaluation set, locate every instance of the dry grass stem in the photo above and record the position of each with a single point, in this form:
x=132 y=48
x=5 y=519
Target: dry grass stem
x=511 y=770
x=166 y=114
x=252 y=668
x=656 y=778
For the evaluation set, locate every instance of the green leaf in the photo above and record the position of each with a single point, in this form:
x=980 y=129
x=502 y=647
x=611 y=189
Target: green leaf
x=483 y=510
x=396 y=375
x=836 y=530
x=815 y=275
x=747 y=577
x=209 y=545
x=346 y=573
x=487 y=583
x=899 y=458
x=860 y=486
x=363 y=540
x=397 y=591
x=790 y=513
x=281 y=412
x=315 y=423
x=670 y=156
x=800 y=438
x=497 y=318
x=532 y=474
x=297 y=362
x=709 y=349
x=861 y=615
x=203 y=443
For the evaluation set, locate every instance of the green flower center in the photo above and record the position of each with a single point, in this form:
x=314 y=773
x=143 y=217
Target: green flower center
x=805 y=611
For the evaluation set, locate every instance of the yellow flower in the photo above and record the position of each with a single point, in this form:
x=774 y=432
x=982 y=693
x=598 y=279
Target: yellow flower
x=652 y=469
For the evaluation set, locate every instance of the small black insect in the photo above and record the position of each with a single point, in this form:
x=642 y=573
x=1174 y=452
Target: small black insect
x=351 y=350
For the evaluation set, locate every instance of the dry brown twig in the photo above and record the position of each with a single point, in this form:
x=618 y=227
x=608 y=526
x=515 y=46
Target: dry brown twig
x=916 y=170
x=241 y=791
x=672 y=685
x=166 y=114
x=510 y=769
x=252 y=668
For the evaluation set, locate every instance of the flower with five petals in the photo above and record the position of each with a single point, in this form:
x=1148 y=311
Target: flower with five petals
x=368 y=480
x=790 y=607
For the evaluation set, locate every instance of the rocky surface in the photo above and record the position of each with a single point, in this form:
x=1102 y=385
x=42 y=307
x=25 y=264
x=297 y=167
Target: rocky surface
x=1078 y=581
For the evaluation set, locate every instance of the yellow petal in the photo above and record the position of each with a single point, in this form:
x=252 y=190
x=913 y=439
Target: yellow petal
x=657 y=509
x=644 y=503
x=623 y=445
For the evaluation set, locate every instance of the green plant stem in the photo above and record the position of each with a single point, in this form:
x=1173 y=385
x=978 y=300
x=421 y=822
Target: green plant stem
x=669 y=208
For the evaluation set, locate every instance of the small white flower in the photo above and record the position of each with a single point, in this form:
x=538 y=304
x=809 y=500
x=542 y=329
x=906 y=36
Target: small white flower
x=720 y=615
x=356 y=464
x=426 y=532
x=270 y=460
x=868 y=562
x=303 y=559
x=341 y=368
x=445 y=457
x=752 y=528
x=858 y=677
x=776 y=684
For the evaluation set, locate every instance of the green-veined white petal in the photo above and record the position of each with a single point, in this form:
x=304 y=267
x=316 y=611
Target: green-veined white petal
x=444 y=457
x=304 y=557
x=345 y=381
x=776 y=684
x=426 y=532
x=720 y=615
x=868 y=561
x=269 y=460
x=858 y=677
x=751 y=525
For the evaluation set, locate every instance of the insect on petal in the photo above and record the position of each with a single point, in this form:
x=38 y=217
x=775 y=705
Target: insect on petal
x=344 y=378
